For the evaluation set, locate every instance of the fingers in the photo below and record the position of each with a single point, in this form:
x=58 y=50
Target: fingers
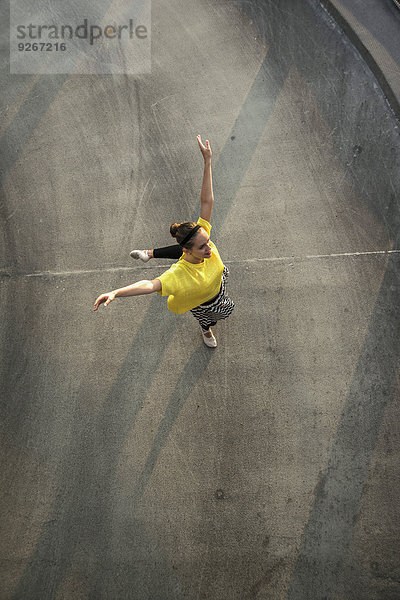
x=202 y=146
x=97 y=302
x=103 y=298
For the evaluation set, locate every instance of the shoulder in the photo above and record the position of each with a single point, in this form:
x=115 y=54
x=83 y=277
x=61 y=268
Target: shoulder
x=169 y=271
x=167 y=279
x=205 y=224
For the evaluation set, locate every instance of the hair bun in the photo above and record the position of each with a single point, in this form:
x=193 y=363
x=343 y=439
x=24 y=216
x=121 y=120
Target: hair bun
x=174 y=229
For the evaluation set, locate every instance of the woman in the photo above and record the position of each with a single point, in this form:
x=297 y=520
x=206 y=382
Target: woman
x=196 y=283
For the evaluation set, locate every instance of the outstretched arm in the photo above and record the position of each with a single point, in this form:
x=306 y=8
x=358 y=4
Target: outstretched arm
x=136 y=289
x=206 y=196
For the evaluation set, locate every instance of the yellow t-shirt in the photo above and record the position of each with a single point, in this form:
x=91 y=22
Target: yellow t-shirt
x=187 y=285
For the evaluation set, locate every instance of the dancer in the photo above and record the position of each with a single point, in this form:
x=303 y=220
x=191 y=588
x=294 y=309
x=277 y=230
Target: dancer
x=197 y=282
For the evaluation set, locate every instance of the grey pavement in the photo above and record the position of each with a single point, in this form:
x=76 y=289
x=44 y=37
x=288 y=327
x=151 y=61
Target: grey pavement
x=137 y=463
x=376 y=24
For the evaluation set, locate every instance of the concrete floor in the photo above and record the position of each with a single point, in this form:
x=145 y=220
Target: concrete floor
x=136 y=463
x=376 y=24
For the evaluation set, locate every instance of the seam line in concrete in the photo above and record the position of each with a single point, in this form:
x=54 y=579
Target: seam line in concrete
x=5 y=274
x=314 y=256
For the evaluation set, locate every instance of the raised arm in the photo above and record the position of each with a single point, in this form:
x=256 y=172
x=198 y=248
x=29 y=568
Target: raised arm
x=136 y=289
x=206 y=196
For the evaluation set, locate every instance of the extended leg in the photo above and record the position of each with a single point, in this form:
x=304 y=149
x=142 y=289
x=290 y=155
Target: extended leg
x=174 y=252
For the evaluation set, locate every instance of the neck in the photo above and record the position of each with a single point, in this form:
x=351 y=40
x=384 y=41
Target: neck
x=193 y=260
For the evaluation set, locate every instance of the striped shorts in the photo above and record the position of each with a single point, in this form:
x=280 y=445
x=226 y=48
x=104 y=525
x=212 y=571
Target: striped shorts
x=215 y=309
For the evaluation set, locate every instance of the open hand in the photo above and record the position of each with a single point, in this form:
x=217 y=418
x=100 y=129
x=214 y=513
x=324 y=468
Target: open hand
x=205 y=150
x=106 y=298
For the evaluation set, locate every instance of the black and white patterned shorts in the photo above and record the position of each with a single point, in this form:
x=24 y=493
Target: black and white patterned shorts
x=215 y=309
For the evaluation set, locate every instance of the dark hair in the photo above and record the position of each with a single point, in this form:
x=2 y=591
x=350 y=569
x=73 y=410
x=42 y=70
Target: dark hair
x=181 y=230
